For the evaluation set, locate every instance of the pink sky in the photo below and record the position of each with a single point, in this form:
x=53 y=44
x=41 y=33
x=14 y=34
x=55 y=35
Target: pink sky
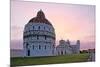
x=70 y=21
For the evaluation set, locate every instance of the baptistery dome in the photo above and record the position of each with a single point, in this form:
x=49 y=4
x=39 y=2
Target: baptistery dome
x=40 y=18
x=39 y=36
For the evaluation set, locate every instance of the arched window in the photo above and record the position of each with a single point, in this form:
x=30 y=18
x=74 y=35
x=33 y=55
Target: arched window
x=33 y=47
x=45 y=37
x=33 y=27
x=27 y=45
x=49 y=29
x=39 y=28
x=37 y=37
x=44 y=28
x=39 y=47
x=53 y=46
x=45 y=47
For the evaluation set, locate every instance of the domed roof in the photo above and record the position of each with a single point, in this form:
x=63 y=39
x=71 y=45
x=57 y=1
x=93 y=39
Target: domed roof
x=40 y=18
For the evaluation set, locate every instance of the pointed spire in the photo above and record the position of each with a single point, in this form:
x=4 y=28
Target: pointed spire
x=40 y=14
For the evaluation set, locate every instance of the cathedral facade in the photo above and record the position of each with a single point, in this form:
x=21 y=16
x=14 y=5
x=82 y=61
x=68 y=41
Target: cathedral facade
x=66 y=48
x=39 y=39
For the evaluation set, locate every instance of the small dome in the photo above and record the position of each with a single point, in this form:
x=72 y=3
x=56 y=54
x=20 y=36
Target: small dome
x=40 y=18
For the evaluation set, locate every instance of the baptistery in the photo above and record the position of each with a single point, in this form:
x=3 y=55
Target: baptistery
x=39 y=36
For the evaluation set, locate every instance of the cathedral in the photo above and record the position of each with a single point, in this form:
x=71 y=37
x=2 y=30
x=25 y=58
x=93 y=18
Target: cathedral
x=65 y=48
x=39 y=39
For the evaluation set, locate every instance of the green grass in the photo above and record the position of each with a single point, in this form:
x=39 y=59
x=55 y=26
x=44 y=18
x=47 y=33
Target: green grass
x=22 y=61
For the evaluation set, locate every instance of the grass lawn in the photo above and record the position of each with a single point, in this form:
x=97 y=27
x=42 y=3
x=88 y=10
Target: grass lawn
x=22 y=61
